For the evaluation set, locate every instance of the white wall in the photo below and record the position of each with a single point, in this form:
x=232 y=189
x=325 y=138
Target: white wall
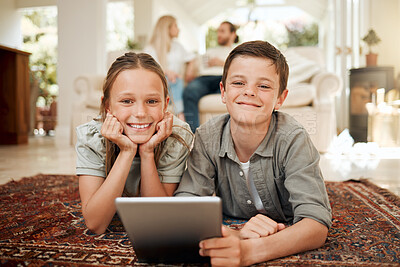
x=385 y=20
x=189 y=35
x=147 y=12
x=35 y=3
x=10 y=24
x=81 y=50
x=143 y=20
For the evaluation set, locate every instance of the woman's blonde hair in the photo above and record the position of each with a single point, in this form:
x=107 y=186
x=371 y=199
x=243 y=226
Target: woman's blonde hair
x=161 y=38
x=131 y=61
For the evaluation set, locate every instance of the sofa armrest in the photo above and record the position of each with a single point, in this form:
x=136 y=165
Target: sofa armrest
x=90 y=89
x=327 y=85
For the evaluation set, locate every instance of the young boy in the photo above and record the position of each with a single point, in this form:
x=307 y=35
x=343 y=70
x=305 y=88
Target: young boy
x=261 y=163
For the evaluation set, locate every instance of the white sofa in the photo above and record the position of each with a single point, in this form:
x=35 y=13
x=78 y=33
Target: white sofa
x=311 y=98
x=89 y=89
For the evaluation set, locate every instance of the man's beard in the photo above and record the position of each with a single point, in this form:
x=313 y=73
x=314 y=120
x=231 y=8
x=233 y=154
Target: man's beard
x=224 y=42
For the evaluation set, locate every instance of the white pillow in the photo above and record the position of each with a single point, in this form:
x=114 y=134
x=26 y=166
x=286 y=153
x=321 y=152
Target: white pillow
x=301 y=94
x=300 y=68
x=94 y=100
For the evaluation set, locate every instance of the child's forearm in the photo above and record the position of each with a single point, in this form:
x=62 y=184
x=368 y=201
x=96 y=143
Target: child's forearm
x=150 y=185
x=305 y=235
x=100 y=208
x=190 y=72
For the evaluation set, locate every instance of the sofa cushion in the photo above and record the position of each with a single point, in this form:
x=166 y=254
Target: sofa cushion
x=301 y=69
x=93 y=100
x=301 y=94
x=212 y=103
x=89 y=89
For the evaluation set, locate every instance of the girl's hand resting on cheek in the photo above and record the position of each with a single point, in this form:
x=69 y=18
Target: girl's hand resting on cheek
x=113 y=131
x=163 y=130
x=260 y=226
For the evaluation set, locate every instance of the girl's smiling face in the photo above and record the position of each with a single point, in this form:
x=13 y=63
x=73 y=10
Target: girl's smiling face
x=137 y=100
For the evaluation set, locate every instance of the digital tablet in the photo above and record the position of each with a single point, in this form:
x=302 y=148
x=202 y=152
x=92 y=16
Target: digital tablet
x=169 y=229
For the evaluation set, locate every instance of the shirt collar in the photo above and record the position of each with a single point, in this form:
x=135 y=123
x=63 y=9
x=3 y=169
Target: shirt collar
x=265 y=149
x=227 y=146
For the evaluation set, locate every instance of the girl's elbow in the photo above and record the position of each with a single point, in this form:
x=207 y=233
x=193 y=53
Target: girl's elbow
x=95 y=227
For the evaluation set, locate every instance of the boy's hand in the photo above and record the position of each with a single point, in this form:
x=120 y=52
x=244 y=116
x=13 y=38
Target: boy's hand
x=223 y=251
x=260 y=226
x=163 y=130
x=113 y=131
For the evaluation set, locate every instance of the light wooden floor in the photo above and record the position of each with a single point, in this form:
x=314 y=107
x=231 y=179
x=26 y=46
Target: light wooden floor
x=48 y=155
x=43 y=154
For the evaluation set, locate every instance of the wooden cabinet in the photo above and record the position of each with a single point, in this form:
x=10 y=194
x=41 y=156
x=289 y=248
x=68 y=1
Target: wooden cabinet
x=363 y=85
x=14 y=96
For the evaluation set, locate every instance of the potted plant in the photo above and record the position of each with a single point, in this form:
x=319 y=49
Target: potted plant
x=371 y=39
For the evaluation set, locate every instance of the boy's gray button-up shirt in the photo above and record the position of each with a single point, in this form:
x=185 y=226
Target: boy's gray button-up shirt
x=285 y=170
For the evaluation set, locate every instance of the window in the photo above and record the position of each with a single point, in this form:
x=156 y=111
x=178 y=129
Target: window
x=39 y=31
x=120 y=30
x=283 y=26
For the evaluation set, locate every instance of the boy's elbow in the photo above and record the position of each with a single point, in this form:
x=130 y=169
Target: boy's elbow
x=317 y=233
x=321 y=236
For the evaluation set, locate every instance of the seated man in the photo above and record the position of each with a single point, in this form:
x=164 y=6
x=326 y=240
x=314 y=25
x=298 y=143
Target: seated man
x=210 y=73
x=261 y=163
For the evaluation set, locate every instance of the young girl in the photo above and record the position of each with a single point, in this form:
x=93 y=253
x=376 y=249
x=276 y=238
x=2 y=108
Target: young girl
x=136 y=148
x=173 y=58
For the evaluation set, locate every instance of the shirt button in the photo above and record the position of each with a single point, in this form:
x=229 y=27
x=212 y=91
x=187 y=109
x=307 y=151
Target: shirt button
x=241 y=173
x=249 y=201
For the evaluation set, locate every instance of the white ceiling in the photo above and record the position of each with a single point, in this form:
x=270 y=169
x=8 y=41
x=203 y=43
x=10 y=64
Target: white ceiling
x=202 y=11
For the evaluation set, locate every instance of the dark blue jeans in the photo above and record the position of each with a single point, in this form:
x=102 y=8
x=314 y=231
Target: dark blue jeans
x=199 y=87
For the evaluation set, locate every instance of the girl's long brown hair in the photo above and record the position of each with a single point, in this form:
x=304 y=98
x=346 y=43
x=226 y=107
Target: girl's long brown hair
x=131 y=61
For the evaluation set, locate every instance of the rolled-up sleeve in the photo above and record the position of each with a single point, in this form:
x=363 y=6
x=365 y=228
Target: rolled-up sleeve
x=304 y=180
x=90 y=151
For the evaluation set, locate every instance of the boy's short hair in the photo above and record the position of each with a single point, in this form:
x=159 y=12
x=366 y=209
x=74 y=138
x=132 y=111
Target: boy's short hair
x=260 y=49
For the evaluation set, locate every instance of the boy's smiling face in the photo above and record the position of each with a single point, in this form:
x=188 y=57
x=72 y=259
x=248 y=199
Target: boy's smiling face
x=251 y=91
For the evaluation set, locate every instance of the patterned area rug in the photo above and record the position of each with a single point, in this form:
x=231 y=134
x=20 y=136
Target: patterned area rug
x=41 y=224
